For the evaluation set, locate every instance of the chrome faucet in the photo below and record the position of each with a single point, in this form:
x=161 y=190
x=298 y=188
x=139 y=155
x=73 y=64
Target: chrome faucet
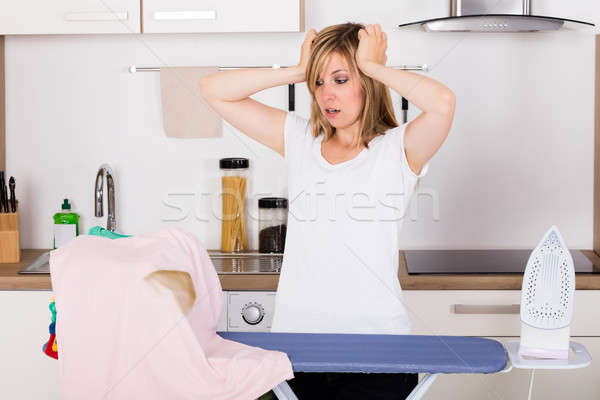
x=105 y=170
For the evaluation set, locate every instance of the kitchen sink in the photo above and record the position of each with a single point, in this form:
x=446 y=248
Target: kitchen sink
x=225 y=263
x=39 y=266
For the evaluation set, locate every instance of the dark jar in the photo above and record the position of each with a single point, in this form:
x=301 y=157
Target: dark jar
x=272 y=224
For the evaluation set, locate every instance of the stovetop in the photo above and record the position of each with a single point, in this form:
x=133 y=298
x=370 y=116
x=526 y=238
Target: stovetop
x=497 y=261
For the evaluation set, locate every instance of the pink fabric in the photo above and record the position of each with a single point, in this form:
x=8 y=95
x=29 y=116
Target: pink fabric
x=120 y=339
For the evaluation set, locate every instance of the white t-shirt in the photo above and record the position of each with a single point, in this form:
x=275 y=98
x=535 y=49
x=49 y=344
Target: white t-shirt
x=340 y=265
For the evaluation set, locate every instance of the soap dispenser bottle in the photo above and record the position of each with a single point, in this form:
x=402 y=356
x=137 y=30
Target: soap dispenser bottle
x=66 y=225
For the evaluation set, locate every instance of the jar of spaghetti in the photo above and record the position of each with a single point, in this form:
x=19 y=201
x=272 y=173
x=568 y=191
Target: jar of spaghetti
x=272 y=219
x=234 y=173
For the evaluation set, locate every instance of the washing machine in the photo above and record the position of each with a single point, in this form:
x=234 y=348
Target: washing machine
x=247 y=311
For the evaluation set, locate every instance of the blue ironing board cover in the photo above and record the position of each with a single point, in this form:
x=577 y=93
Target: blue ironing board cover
x=329 y=352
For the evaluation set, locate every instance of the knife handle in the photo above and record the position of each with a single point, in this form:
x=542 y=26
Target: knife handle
x=5 y=206
x=13 y=202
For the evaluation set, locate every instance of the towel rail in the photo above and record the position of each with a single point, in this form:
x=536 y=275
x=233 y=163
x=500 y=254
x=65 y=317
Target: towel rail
x=133 y=68
x=291 y=88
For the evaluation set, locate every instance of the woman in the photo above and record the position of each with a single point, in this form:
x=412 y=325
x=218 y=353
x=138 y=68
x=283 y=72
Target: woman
x=351 y=173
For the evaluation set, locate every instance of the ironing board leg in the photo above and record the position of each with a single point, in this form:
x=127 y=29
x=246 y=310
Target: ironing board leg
x=283 y=391
x=422 y=387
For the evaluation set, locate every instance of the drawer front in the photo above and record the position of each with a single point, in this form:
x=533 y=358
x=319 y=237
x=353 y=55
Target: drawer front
x=70 y=17
x=222 y=16
x=488 y=312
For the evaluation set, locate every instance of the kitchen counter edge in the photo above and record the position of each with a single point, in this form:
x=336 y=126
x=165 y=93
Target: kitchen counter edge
x=11 y=280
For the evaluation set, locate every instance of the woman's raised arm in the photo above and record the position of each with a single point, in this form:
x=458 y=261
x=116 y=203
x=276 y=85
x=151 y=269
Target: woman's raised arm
x=426 y=133
x=228 y=94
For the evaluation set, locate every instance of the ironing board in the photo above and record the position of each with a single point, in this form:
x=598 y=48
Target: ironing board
x=580 y=358
x=328 y=352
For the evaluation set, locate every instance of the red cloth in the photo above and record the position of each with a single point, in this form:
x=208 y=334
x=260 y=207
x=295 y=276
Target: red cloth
x=48 y=347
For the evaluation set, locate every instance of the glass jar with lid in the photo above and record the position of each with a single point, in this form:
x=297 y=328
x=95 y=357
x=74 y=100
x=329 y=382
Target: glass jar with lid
x=234 y=174
x=272 y=224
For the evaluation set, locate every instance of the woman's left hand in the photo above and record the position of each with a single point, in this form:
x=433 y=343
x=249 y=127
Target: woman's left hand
x=371 y=46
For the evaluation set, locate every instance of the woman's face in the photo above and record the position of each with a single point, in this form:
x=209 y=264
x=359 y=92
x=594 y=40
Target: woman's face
x=339 y=89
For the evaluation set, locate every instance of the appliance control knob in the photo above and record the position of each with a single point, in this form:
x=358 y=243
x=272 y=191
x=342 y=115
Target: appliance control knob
x=253 y=313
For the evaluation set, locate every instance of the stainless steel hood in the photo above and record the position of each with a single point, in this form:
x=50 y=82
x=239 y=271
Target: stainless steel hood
x=493 y=16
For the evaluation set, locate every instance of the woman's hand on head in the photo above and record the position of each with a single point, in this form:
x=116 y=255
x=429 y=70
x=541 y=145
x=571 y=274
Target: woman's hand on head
x=305 y=51
x=371 y=46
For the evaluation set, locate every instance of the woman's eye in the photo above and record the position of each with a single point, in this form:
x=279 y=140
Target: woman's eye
x=338 y=81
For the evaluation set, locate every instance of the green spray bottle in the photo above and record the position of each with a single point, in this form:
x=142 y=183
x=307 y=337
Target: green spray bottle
x=66 y=225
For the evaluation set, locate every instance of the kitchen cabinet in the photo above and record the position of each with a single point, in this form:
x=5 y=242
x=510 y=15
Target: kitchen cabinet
x=159 y=16
x=488 y=312
x=185 y=16
x=69 y=17
x=28 y=373
x=493 y=314
x=25 y=371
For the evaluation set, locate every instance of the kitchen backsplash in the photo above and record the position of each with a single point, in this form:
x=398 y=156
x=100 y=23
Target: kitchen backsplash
x=518 y=159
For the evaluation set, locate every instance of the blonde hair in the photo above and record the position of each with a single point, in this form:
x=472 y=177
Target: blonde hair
x=377 y=115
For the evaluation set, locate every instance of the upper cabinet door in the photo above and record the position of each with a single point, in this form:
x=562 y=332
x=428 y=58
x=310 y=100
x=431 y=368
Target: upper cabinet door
x=69 y=16
x=183 y=16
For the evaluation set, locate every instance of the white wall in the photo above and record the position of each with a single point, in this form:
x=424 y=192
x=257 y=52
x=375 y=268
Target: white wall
x=518 y=159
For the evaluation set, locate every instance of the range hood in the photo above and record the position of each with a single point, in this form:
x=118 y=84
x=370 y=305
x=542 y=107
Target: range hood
x=493 y=16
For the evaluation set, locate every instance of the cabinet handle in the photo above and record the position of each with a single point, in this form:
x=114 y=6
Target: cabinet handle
x=185 y=15
x=96 y=16
x=486 y=309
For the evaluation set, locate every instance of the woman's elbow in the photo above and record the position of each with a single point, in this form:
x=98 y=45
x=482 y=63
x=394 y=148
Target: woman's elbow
x=447 y=102
x=203 y=86
x=206 y=86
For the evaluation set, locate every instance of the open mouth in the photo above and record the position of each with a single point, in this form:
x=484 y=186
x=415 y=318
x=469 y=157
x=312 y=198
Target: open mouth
x=331 y=111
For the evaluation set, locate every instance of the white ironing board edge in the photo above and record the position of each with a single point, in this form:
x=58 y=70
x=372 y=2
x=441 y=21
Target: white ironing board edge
x=582 y=358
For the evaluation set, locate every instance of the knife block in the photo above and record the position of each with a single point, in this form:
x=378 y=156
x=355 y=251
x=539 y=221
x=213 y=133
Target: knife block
x=9 y=237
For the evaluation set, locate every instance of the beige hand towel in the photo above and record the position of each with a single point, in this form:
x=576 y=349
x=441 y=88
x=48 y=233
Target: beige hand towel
x=185 y=113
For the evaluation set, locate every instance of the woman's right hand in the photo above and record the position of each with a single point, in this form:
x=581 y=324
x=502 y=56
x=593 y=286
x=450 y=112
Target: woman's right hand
x=305 y=53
